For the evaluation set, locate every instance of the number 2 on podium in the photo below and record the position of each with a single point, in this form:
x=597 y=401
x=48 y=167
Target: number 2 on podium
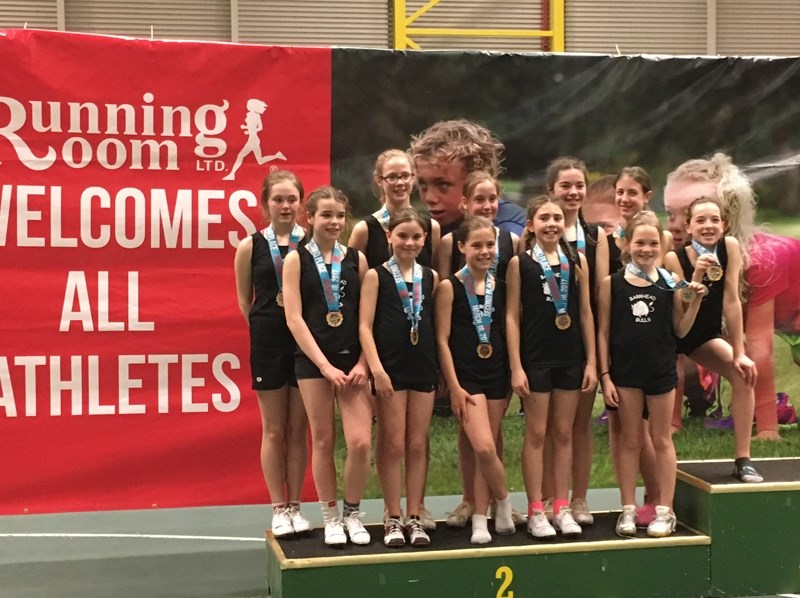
x=507 y=575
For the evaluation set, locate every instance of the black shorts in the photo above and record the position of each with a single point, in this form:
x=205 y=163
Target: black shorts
x=568 y=377
x=493 y=393
x=412 y=385
x=652 y=387
x=690 y=343
x=304 y=368
x=271 y=371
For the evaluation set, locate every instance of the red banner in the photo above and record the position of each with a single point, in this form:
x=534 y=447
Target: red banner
x=129 y=171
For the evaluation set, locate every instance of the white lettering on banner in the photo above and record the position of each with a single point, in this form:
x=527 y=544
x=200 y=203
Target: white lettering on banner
x=77 y=288
x=87 y=121
x=129 y=218
x=78 y=378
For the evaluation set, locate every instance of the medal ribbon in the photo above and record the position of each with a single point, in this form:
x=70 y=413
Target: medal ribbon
x=580 y=238
x=275 y=252
x=481 y=318
x=619 y=232
x=412 y=305
x=702 y=250
x=383 y=216
x=559 y=295
x=330 y=283
x=673 y=286
x=496 y=260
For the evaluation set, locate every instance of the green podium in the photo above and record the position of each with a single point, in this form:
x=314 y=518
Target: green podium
x=598 y=564
x=754 y=528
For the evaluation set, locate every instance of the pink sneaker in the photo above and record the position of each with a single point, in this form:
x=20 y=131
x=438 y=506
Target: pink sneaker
x=645 y=514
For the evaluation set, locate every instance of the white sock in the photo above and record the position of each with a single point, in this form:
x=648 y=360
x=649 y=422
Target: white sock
x=329 y=512
x=503 y=523
x=480 y=530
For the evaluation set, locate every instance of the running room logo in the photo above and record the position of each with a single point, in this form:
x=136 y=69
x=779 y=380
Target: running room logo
x=135 y=137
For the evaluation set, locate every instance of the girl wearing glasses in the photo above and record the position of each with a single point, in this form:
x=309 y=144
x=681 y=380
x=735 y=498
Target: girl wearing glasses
x=393 y=177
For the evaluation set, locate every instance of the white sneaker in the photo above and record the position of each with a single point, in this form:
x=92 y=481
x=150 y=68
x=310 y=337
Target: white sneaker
x=281 y=522
x=393 y=536
x=626 y=523
x=565 y=523
x=539 y=527
x=300 y=524
x=664 y=523
x=334 y=533
x=417 y=536
x=355 y=529
x=426 y=519
x=581 y=512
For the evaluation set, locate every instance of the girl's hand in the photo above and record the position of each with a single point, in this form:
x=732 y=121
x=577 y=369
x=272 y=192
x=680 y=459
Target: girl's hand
x=746 y=368
x=589 y=378
x=335 y=376
x=359 y=375
x=519 y=383
x=702 y=265
x=458 y=403
x=383 y=384
x=700 y=289
x=610 y=396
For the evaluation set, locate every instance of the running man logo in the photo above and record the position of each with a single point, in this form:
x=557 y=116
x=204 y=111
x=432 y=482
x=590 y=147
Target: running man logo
x=252 y=127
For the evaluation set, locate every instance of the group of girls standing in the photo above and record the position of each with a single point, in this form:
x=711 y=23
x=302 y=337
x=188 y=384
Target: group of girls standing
x=495 y=317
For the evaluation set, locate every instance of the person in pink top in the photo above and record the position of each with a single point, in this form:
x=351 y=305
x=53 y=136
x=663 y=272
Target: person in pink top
x=771 y=291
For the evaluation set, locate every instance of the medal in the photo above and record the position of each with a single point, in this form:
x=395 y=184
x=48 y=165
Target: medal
x=688 y=295
x=334 y=319
x=331 y=283
x=558 y=292
x=485 y=350
x=481 y=317
x=715 y=272
x=412 y=305
x=275 y=252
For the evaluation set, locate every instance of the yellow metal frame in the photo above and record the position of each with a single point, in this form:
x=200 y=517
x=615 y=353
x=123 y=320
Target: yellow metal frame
x=404 y=31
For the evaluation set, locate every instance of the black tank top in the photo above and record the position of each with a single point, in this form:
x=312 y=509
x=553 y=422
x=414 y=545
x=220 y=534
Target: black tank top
x=505 y=247
x=378 y=247
x=614 y=255
x=331 y=340
x=642 y=337
x=487 y=373
x=542 y=344
x=708 y=323
x=265 y=314
x=391 y=329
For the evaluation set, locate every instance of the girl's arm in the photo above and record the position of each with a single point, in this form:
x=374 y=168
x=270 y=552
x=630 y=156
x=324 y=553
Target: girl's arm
x=360 y=373
x=673 y=264
x=293 y=308
x=444 y=312
x=519 y=381
x=514 y=244
x=444 y=256
x=683 y=315
x=359 y=236
x=667 y=245
x=600 y=260
x=732 y=310
x=603 y=353
x=436 y=236
x=366 y=320
x=587 y=326
x=243 y=269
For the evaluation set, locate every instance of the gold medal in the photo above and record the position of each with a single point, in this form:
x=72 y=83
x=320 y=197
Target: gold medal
x=334 y=319
x=688 y=294
x=485 y=350
x=414 y=335
x=279 y=298
x=563 y=321
x=714 y=272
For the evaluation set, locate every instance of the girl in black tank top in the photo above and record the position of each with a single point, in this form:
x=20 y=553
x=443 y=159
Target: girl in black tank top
x=641 y=313
x=259 y=264
x=321 y=294
x=551 y=352
x=469 y=326
x=396 y=330
x=716 y=261
x=393 y=177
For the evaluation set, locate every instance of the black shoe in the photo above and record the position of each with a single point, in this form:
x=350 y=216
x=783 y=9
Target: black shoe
x=744 y=471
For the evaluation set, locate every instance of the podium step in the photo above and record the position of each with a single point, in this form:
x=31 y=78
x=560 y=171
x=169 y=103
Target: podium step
x=599 y=563
x=755 y=528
